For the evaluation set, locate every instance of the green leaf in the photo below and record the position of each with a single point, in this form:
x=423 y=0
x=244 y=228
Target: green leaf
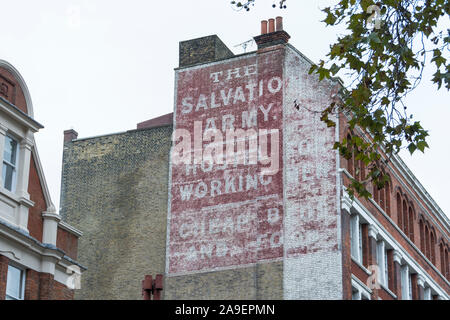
x=412 y=147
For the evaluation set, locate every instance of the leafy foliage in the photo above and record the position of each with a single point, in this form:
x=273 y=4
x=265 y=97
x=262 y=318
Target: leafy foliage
x=384 y=61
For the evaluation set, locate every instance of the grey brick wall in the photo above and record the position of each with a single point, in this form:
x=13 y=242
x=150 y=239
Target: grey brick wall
x=261 y=281
x=114 y=189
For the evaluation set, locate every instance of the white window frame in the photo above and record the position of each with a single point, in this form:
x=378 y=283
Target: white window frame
x=13 y=165
x=22 y=283
x=354 y=237
x=357 y=209
x=360 y=290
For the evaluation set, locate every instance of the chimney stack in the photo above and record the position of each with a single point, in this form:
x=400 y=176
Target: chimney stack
x=264 y=27
x=279 y=23
x=272 y=33
x=203 y=50
x=271 y=25
x=70 y=135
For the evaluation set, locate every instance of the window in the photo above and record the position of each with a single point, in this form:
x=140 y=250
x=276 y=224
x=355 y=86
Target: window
x=359 y=292
x=9 y=163
x=399 y=211
x=355 y=294
x=405 y=218
x=411 y=223
x=354 y=237
x=422 y=239
x=15 y=283
x=432 y=250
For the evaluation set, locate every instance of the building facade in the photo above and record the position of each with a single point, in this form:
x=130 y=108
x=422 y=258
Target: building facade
x=38 y=250
x=239 y=194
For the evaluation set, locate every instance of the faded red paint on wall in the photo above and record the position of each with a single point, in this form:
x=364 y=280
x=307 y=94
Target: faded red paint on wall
x=230 y=215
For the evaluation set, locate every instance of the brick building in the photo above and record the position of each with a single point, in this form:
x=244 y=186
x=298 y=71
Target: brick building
x=280 y=227
x=37 y=249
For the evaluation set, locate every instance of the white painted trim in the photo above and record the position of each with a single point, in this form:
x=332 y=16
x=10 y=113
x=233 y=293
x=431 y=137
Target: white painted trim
x=421 y=190
x=67 y=227
x=361 y=287
x=361 y=266
x=397 y=257
x=415 y=184
x=389 y=239
x=372 y=232
x=32 y=254
x=412 y=244
x=18 y=116
x=420 y=280
x=385 y=288
x=6 y=65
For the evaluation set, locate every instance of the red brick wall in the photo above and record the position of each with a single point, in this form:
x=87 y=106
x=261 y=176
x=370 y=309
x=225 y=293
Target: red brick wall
x=35 y=221
x=3 y=276
x=400 y=238
x=67 y=242
x=363 y=276
x=61 y=292
x=42 y=286
x=32 y=285
x=15 y=94
x=346 y=257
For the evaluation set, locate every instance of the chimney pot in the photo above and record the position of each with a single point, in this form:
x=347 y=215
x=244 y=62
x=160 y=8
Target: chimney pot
x=263 y=26
x=271 y=25
x=279 y=23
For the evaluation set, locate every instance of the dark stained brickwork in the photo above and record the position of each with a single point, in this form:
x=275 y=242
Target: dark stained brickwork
x=203 y=50
x=261 y=281
x=114 y=188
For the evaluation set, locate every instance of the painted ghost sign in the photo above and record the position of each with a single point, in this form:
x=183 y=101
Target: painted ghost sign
x=226 y=182
x=252 y=178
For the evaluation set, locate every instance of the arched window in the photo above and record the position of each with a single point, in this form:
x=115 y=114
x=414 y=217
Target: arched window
x=405 y=218
x=350 y=161
x=387 y=199
x=411 y=223
x=443 y=252
x=427 y=242
x=447 y=272
x=382 y=201
x=422 y=239
x=375 y=193
x=362 y=170
x=432 y=249
x=399 y=211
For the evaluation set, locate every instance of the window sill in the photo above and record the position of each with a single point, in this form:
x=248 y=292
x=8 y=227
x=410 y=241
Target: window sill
x=361 y=266
x=15 y=198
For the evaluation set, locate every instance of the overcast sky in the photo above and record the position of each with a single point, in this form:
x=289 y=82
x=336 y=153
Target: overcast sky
x=102 y=66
